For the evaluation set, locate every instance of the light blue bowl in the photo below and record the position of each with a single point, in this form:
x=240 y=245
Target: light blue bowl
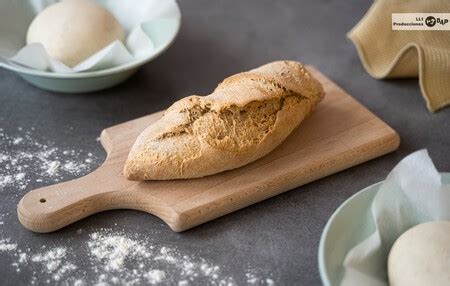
x=350 y=224
x=161 y=31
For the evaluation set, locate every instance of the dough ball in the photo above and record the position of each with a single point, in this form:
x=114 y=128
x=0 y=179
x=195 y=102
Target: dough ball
x=73 y=30
x=421 y=256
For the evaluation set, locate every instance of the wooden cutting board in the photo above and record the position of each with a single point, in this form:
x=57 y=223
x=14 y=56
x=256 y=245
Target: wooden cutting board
x=340 y=134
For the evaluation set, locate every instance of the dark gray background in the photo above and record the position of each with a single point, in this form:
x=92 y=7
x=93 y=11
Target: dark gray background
x=280 y=236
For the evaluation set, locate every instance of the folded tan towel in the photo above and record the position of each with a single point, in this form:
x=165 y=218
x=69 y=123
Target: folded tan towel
x=386 y=53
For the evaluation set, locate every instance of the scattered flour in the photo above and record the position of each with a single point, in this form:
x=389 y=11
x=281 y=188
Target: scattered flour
x=17 y=140
x=113 y=253
x=54 y=262
x=51 y=258
x=19 y=176
x=28 y=160
x=155 y=276
x=115 y=258
x=6 y=246
x=251 y=278
x=22 y=257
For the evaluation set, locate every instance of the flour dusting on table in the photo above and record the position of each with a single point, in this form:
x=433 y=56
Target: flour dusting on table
x=5 y=245
x=29 y=160
x=152 y=263
x=54 y=262
x=115 y=257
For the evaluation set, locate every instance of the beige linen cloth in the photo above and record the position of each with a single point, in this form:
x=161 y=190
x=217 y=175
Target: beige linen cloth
x=400 y=54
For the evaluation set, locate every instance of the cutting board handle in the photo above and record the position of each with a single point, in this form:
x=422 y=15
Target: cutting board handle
x=50 y=208
x=53 y=207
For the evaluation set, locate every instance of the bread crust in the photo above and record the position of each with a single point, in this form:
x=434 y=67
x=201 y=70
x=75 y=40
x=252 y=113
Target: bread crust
x=247 y=116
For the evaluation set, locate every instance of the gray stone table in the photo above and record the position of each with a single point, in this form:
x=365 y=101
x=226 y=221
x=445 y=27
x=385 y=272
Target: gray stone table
x=276 y=239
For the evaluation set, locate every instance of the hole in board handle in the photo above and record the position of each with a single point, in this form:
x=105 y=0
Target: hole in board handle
x=42 y=200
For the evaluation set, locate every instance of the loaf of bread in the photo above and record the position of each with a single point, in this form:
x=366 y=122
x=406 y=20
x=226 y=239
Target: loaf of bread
x=245 y=118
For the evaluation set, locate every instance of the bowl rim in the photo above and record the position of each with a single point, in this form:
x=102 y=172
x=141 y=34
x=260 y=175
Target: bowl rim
x=105 y=72
x=323 y=237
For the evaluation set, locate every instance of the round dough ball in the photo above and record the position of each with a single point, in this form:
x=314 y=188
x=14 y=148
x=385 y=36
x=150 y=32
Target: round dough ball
x=73 y=30
x=421 y=256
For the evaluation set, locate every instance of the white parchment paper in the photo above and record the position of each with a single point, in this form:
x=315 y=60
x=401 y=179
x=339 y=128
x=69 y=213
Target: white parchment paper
x=132 y=15
x=411 y=194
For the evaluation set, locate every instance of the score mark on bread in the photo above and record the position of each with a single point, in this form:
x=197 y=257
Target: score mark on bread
x=247 y=116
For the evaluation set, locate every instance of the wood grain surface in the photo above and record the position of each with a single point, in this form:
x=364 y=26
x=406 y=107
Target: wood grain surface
x=340 y=134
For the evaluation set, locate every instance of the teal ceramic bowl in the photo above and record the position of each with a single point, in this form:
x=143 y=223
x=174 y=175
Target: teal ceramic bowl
x=161 y=31
x=350 y=224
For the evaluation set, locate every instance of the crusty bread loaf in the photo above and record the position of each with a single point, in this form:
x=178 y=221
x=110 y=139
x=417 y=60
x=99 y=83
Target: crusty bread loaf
x=245 y=118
